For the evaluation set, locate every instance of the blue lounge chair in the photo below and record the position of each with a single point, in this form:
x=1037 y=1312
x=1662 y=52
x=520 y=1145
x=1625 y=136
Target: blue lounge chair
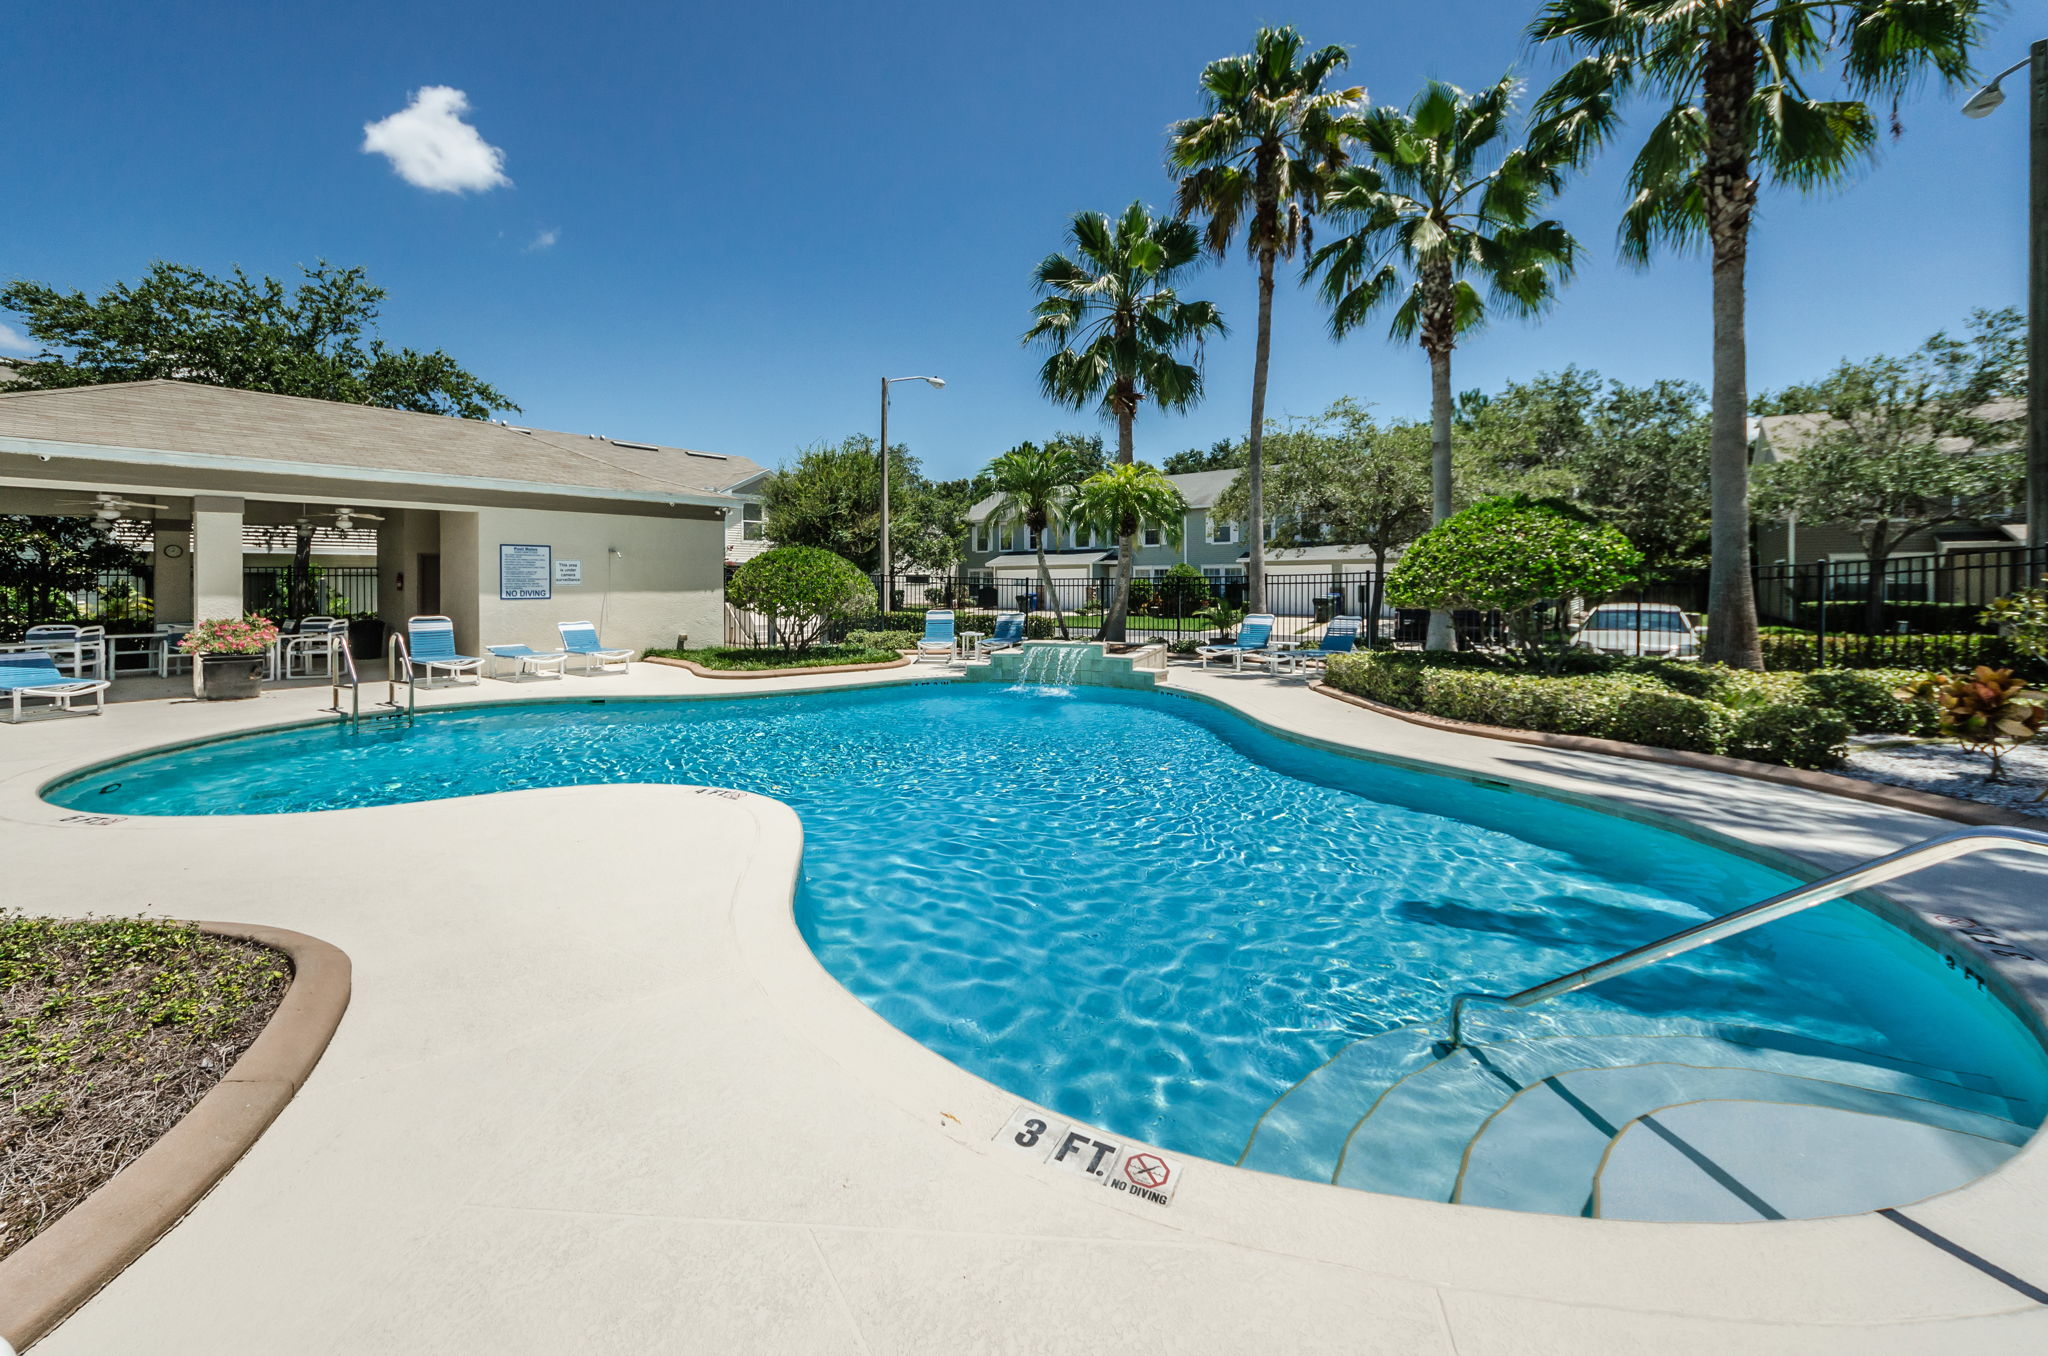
x=1254 y=633
x=1008 y=634
x=1340 y=636
x=430 y=645
x=938 y=641
x=34 y=674
x=527 y=661
x=581 y=638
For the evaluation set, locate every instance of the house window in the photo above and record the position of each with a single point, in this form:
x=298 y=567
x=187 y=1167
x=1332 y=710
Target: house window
x=1907 y=579
x=1154 y=534
x=753 y=524
x=980 y=537
x=1221 y=533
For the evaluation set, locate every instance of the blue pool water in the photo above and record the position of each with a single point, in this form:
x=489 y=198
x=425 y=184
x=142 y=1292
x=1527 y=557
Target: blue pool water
x=1140 y=910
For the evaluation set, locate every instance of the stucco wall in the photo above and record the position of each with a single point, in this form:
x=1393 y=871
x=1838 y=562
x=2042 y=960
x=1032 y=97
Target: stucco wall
x=667 y=577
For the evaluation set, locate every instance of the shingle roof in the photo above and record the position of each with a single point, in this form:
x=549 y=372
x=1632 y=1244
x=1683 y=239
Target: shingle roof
x=184 y=417
x=1199 y=488
x=1787 y=434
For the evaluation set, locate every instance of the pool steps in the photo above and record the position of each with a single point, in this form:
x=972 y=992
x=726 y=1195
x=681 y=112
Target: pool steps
x=1526 y=1123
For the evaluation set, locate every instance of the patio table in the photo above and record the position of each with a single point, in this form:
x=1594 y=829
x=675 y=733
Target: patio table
x=964 y=645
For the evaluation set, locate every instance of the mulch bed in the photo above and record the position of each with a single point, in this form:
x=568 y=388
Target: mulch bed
x=111 y=1029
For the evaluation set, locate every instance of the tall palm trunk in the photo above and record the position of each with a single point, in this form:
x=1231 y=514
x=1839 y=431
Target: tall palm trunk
x=1255 y=461
x=1730 y=198
x=1045 y=584
x=1113 y=621
x=1442 y=635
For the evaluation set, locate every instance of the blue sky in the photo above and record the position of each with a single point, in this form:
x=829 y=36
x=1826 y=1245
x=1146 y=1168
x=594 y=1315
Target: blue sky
x=723 y=223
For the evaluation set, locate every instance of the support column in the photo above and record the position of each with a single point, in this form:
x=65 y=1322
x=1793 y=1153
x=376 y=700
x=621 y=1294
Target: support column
x=216 y=557
x=171 y=571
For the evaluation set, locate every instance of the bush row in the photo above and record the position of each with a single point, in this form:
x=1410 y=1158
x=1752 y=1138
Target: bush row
x=1942 y=650
x=1794 y=719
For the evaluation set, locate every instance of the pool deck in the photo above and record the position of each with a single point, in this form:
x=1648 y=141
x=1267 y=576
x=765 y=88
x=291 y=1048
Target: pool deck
x=594 y=1095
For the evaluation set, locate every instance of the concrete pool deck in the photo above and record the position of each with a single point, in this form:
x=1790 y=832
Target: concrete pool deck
x=640 y=1117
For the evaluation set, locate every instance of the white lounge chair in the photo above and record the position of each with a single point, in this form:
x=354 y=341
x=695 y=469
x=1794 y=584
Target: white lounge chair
x=1254 y=633
x=1007 y=635
x=31 y=674
x=580 y=638
x=1340 y=636
x=938 y=641
x=528 y=662
x=430 y=645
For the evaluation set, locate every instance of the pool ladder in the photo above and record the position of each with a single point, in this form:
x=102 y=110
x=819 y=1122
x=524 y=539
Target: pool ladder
x=396 y=658
x=1873 y=872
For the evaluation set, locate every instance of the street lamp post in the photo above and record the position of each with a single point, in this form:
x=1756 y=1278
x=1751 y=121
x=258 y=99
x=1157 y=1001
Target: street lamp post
x=1977 y=106
x=886 y=563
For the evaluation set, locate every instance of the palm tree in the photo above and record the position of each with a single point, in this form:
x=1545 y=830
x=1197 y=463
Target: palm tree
x=1035 y=484
x=1259 y=154
x=1118 y=500
x=1735 y=114
x=1442 y=209
x=1120 y=331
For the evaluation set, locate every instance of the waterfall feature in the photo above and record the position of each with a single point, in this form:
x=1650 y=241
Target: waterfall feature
x=1049 y=668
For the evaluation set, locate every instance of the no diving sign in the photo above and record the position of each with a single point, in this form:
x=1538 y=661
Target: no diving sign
x=1106 y=1160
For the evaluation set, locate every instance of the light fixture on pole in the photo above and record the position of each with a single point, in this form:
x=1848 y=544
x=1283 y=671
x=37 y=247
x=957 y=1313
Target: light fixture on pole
x=1978 y=105
x=884 y=565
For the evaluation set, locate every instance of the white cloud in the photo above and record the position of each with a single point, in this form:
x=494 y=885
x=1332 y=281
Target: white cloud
x=544 y=241
x=14 y=341
x=431 y=147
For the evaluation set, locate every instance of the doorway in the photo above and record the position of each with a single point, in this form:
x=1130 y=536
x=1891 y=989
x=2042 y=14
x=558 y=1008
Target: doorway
x=427 y=585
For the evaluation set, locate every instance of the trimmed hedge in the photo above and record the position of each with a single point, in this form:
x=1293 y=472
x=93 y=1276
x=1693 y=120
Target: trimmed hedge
x=1947 y=651
x=1794 y=719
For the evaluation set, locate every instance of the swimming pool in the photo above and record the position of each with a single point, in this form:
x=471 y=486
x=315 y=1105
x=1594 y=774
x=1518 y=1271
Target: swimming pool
x=1143 y=911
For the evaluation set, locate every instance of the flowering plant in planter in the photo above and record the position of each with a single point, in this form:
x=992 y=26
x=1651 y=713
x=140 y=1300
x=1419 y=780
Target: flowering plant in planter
x=230 y=635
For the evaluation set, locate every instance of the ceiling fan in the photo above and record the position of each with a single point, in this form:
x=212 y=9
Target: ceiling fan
x=345 y=518
x=108 y=509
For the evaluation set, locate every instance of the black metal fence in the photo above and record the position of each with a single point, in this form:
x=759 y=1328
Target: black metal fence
x=115 y=599
x=1178 y=609
x=337 y=590
x=1918 y=612
x=1926 y=612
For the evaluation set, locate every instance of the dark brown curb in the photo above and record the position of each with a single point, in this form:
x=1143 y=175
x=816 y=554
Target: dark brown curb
x=48 y=1277
x=703 y=672
x=1849 y=788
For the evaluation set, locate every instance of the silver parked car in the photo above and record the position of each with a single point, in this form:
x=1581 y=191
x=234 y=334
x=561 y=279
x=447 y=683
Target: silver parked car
x=1657 y=630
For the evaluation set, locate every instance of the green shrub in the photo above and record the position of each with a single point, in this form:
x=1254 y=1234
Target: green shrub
x=1665 y=719
x=1869 y=700
x=803 y=591
x=1510 y=555
x=1947 y=651
x=882 y=640
x=1793 y=734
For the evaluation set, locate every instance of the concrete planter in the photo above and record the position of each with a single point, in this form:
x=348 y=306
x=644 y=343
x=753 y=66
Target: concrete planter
x=229 y=677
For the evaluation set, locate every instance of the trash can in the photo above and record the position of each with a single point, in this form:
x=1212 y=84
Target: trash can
x=1326 y=606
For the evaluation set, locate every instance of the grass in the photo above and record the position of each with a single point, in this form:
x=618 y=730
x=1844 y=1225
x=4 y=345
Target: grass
x=110 y=1030
x=741 y=658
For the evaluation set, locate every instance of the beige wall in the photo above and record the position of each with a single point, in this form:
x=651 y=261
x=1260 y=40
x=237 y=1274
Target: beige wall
x=668 y=577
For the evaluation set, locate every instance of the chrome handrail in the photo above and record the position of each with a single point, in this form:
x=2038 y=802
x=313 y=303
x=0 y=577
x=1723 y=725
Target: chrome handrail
x=354 y=684
x=396 y=652
x=1873 y=872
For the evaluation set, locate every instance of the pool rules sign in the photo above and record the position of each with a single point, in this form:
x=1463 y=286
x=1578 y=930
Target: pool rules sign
x=1145 y=1174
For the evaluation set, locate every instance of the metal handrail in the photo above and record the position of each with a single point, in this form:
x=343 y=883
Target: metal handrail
x=1873 y=872
x=354 y=684
x=396 y=652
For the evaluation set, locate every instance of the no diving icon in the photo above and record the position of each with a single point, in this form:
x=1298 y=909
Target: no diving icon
x=1101 y=1158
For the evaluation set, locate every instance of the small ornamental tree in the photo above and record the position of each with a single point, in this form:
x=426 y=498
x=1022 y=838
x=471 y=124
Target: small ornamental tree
x=2022 y=618
x=1510 y=554
x=1987 y=710
x=802 y=591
